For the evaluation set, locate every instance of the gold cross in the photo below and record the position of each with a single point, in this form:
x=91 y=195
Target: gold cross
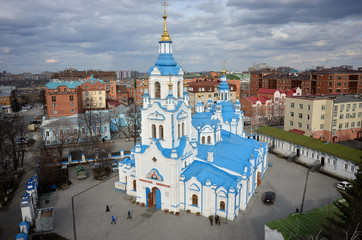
x=164 y=7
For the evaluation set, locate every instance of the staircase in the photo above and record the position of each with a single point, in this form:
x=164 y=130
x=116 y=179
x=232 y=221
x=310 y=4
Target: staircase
x=316 y=166
x=292 y=157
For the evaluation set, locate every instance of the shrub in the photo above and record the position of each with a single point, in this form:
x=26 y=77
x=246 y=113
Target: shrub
x=177 y=213
x=142 y=204
x=198 y=213
x=166 y=210
x=188 y=210
x=172 y=212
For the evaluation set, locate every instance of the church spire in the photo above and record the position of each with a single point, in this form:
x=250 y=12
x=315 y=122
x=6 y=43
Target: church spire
x=165 y=36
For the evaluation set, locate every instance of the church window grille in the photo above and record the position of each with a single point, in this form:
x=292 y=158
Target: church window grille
x=160 y=131
x=134 y=185
x=195 y=200
x=222 y=205
x=157 y=90
x=208 y=139
x=153 y=131
x=203 y=140
x=183 y=129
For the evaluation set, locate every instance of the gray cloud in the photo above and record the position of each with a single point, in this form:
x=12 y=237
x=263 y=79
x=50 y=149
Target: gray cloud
x=114 y=35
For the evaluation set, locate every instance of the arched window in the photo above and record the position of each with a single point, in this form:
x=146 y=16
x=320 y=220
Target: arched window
x=157 y=90
x=153 y=131
x=178 y=89
x=195 y=200
x=203 y=140
x=134 y=185
x=222 y=96
x=208 y=140
x=178 y=130
x=185 y=163
x=222 y=205
x=183 y=129
x=160 y=128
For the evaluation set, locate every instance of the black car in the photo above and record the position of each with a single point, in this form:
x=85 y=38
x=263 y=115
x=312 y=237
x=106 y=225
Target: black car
x=269 y=197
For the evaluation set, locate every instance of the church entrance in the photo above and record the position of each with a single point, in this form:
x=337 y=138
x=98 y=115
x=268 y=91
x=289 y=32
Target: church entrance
x=153 y=197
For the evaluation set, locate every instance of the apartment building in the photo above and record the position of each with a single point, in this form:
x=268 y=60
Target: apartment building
x=335 y=80
x=7 y=95
x=331 y=118
x=93 y=94
x=275 y=79
x=63 y=98
x=108 y=77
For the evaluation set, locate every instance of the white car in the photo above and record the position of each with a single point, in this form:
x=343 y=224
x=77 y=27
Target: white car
x=343 y=185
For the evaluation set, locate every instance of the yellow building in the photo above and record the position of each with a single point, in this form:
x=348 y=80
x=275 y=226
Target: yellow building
x=331 y=118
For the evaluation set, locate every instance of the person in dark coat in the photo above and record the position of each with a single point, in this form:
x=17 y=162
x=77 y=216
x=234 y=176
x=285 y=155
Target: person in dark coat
x=129 y=215
x=217 y=220
x=211 y=220
x=113 y=220
x=107 y=208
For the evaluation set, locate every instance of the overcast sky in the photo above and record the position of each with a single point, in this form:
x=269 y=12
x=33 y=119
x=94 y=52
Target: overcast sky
x=52 y=35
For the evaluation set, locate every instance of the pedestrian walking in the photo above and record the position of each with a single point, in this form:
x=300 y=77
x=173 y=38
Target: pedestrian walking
x=211 y=220
x=107 y=208
x=217 y=220
x=129 y=215
x=113 y=220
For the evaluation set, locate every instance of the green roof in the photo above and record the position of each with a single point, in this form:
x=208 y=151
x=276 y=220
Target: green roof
x=232 y=77
x=334 y=149
x=301 y=226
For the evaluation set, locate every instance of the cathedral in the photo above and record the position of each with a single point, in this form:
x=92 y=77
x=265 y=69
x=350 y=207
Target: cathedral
x=202 y=163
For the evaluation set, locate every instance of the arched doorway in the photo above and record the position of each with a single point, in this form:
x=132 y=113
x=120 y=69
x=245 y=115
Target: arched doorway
x=153 y=197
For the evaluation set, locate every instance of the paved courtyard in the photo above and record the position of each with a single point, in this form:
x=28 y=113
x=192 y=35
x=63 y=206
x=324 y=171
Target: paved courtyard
x=92 y=222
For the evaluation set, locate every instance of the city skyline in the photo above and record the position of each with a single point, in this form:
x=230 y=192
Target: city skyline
x=111 y=35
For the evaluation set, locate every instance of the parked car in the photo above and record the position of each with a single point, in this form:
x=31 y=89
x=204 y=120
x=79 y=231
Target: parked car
x=23 y=140
x=115 y=167
x=269 y=197
x=343 y=185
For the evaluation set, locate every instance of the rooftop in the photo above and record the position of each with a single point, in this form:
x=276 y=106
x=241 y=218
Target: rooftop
x=333 y=149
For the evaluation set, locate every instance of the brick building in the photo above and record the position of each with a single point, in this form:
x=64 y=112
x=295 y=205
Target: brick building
x=332 y=118
x=63 y=99
x=275 y=79
x=335 y=80
x=267 y=108
x=108 y=77
x=321 y=80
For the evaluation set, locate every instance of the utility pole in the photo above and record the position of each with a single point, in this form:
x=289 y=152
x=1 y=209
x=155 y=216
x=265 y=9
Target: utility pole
x=305 y=189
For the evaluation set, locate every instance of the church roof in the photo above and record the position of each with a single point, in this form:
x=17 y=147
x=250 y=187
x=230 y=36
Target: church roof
x=166 y=152
x=204 y=171
x=228 y=112
x=232 y=153
x=230 y=157
x=202 y=119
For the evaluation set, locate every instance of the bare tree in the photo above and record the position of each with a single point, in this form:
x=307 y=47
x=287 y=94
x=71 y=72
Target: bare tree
x=12 y=144
x=133 y=119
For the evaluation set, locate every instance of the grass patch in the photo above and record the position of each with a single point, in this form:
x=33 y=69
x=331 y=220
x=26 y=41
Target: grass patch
x=302 y=226
x=333 y=149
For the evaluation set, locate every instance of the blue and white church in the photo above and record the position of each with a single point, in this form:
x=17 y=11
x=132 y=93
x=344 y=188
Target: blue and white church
x=203 y=163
